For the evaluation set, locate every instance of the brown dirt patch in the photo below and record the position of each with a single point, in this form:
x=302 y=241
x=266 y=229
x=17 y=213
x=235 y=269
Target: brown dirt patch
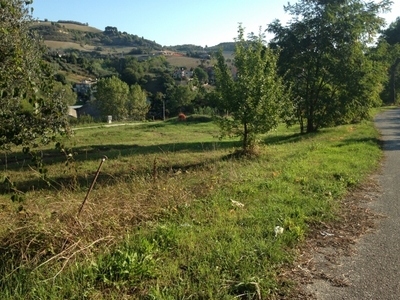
x=327 y=243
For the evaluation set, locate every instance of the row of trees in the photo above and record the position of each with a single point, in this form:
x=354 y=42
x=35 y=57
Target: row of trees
x=321 y=61
x=114 y=97
x=325 y=58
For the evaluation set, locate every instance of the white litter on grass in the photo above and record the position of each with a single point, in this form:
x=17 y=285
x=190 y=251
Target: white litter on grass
x=278 y=230
x=236 y=203
x=324 y=233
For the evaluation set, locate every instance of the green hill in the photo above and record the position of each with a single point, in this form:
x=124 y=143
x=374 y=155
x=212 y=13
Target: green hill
x=69 y=34
x=75 y=35
x=78 y=51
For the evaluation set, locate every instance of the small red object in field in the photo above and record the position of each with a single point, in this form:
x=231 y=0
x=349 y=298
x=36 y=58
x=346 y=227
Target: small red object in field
x=182 y=117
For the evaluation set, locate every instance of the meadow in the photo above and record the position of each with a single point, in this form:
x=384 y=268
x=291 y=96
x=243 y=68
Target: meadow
x=70 y=26
x=174 y=214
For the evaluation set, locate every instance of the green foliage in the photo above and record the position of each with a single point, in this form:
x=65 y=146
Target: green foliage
x=208 y=111
x=65 y=92
x=29 y=109
x=128 y=265
x=201 y=75
x=391 y=34
x=255 y=97
x=112 y=97
x=390 y=41
x=323 y=57
x=84 y=119
x=60 y=78
x=179 y=99
x=17 y=196
x=137 y=103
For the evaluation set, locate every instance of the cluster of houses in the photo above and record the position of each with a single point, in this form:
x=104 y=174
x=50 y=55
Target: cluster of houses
x=86 y=87
x=181 y=73
x=85 y=90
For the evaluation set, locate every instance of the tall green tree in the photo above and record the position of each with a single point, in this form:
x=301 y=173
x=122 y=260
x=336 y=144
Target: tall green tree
x=138 y=107
x=112 y=97
x=28 y=109
x=65 y=92
x=201 y=75
x=254 y=97
x=391 y=36
x=179 y=99
x=323 y=57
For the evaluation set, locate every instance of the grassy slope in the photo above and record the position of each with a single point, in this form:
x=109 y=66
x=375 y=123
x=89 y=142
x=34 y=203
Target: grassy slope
x=72 y=26
x=173 y=215
x=182 y=61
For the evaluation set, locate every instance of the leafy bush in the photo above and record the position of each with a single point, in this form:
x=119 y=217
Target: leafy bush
x=199 y=118
x=84 y=119
x=209 y=111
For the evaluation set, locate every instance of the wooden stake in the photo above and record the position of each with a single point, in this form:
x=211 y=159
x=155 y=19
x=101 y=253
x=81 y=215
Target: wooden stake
x=92 y=185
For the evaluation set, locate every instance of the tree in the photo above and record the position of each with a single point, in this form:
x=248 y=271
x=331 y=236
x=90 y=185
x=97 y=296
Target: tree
x=28 y=109
x=255 y=98
x=137 y=103
x=323 y=57
x=112 y=97
x=64 y=92
x=111 y=30
x=201 y=75
x=392 y=36
x=60 y=78
x=179 y=98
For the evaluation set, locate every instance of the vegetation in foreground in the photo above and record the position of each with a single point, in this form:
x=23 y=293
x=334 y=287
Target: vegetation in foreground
x=174 y=214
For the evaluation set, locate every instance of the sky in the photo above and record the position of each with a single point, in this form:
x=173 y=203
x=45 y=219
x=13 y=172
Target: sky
x=175 y=22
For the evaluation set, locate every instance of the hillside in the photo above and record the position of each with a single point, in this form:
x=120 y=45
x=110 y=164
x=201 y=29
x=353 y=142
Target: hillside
x=89 y=37
x=63 y=35
x=78 y=53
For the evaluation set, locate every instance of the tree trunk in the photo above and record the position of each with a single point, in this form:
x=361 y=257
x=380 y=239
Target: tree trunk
x=393 y=81
x=301 y=121
x=310 y=125
x=310 y=119
x=245 y=138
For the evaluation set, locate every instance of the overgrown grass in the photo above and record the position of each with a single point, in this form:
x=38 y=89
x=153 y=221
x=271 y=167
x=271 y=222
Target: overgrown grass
x=174 y=215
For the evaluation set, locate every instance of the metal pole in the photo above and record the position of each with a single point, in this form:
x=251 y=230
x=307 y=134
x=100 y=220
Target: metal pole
x=92 y=185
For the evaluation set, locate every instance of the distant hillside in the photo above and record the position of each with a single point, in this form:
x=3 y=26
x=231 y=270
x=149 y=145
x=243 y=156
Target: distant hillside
x=75 y=35
x=83 y=35
x=69 y=25
x=78 y=51
x=226 y=47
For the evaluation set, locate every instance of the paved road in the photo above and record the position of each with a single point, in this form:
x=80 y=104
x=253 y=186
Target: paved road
x=374 y=272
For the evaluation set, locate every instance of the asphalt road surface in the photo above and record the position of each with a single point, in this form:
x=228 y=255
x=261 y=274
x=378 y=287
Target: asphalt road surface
x=374 y=271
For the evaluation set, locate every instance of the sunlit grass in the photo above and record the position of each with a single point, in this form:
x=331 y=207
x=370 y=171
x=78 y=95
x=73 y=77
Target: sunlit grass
x=174 y=215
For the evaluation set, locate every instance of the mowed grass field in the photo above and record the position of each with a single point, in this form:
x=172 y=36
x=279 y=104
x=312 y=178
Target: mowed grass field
x=70 y=26
x=183 y=61
x=68 y=45
x=190 y=62
x=87 y=48
x=174 y=214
